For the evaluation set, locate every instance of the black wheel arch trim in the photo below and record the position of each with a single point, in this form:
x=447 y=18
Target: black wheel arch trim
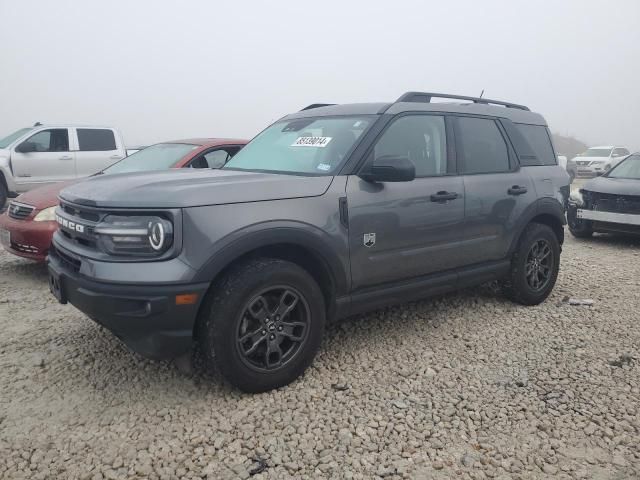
x=543 y=206
x=270 y=234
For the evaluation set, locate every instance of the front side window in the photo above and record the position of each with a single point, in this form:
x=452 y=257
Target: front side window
x=305 y=146
x=539 y=141
x=214 y=159
x=9 y=139
x=420 y=138
x=628 y=168
x=52 y=140
x=96 y=140
x=156 y=157
x=482 y=148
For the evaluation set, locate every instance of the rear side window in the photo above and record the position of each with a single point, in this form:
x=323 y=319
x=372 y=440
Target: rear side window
x=96 y=140
x=481 y=146
x=538 y=139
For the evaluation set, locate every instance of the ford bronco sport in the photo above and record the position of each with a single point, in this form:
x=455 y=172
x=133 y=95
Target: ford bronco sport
x=330 y=211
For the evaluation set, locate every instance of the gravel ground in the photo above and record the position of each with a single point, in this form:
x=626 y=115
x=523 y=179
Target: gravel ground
x=463 y=386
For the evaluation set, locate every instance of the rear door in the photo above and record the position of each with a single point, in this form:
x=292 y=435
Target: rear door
x=48 y=160
x=497 y=191
x=97 y=148
x=407 y=229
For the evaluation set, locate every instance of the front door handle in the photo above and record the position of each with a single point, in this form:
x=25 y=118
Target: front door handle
x=443 y=196
x=517 y=190
x=116 y=157
x=66 y=157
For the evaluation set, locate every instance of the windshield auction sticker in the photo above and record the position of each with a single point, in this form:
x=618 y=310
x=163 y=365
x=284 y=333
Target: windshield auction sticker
x=320 y=142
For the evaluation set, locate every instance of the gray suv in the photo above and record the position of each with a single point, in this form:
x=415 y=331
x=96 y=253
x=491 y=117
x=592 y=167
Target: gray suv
x=329 y=212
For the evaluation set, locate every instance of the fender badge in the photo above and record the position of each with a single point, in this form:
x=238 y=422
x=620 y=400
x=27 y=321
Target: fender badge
x=369 y=239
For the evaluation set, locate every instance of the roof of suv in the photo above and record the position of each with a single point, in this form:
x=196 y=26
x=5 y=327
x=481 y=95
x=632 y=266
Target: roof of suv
x=421 y=102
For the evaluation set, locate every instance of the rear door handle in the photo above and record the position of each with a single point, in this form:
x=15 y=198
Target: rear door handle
x=66 y=157
x=517 y=190
x=443 y=196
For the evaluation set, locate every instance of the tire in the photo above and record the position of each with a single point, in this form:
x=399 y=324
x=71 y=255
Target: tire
x=579 y=228
x=245 y=304
x=3 y=194
x=518 y=285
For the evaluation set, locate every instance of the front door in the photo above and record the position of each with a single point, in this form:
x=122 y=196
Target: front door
x=46 y=159
x=406 y=229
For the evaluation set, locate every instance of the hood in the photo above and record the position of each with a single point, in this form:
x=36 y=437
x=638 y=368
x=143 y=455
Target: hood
x=4 y=154
x=183 y=188
x=616 y=186
x=44 y=197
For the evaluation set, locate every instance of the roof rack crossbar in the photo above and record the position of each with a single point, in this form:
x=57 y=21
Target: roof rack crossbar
x=317 y=105
x=425 y=97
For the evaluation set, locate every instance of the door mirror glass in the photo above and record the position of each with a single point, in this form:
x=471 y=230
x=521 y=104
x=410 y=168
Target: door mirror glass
x=390 y=168
x=26 y=147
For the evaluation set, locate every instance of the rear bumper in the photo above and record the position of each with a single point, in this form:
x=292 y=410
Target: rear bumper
x=29 y=239
x=145 y=317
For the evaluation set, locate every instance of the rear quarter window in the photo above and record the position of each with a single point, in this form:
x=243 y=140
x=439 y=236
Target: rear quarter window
x=537 y=136
x=96 y=140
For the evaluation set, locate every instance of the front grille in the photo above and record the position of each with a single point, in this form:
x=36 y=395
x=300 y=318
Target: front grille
x=606 y=202
x=583 y=163
x=20 y=211
x=73 y=216
x=21 y=247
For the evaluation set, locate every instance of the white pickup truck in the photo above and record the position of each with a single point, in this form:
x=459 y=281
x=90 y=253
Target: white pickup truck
x=45 y=154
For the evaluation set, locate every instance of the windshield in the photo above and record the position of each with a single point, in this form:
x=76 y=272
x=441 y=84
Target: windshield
x=629 y=168
x=597 y=152
x=156 y=157
x=306 y=146
x=6 y=141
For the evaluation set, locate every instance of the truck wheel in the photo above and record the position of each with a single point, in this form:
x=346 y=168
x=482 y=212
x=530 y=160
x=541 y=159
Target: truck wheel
x=3 y=194
x=262 y=324
x=534 y=267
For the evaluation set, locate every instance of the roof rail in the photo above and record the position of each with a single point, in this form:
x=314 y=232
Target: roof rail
x=317 y=105
x=425 y=97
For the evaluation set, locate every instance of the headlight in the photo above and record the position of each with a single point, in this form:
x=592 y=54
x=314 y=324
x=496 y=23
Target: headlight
x=576 y=197
x=134 y=236
x=46 y=215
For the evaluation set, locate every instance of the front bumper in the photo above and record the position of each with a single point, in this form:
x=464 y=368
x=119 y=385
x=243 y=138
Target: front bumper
x=147 y=318
x=27 y=238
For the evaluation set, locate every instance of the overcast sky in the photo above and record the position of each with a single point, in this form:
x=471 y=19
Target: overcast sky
x=164 y=70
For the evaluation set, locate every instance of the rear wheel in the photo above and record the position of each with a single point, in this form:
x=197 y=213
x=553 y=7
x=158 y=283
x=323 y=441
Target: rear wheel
x=534 y=267
x=262 y=324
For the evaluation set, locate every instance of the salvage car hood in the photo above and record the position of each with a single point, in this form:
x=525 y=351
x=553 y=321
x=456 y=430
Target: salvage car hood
x=191 y=188
x=616 y=186
x=44 y=197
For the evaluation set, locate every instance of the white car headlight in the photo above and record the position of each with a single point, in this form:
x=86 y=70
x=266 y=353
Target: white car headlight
x=46 y=215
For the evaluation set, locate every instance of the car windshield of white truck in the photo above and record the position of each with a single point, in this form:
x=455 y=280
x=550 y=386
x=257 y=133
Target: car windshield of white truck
x=597 y=152
x=156 y=157
x=629 y=168
x=305 y=146
x=8 y=140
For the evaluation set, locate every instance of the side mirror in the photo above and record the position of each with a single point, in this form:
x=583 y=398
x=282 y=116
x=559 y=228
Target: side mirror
x=26 y=147
x=390 y=168
x=599 y=174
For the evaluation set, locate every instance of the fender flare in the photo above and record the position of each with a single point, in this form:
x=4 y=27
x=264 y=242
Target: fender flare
x=314 y=240
x=544 y=206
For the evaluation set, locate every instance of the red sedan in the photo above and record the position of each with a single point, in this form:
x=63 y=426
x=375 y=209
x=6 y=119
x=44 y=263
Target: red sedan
x=28 y=224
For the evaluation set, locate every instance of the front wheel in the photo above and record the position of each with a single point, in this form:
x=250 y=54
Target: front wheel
x=534 y=267
x=262 y=324
x=3 y=195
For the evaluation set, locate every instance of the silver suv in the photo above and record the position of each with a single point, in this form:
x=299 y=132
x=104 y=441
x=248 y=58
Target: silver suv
x=330 y=211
